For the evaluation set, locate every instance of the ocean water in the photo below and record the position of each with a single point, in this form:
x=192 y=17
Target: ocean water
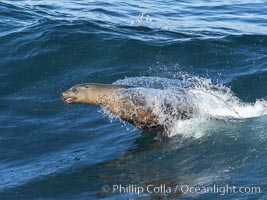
x=215 y=51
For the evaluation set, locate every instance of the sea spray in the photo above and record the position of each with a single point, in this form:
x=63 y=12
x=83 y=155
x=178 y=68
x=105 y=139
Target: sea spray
x=186 y=104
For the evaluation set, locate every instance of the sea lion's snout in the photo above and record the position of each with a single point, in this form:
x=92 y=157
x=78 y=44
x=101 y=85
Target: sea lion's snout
x=68 y=96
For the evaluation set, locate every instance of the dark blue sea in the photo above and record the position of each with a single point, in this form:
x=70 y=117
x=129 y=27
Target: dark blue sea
x=216 y=50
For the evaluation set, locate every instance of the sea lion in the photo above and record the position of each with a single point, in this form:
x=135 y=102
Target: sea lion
x=127 y=103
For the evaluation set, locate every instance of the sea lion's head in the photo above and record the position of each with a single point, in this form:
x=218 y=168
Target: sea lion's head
x=78 y=94
x=89 y=93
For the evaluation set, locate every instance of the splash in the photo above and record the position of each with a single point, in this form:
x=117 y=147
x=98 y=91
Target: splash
x=186 y=104
x=143 y=19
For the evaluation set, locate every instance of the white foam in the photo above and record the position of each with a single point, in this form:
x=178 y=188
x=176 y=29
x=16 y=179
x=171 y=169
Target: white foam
x=208 y=101
x=217 y=104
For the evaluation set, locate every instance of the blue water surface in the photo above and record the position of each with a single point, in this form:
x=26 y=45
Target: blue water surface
x=49 y=150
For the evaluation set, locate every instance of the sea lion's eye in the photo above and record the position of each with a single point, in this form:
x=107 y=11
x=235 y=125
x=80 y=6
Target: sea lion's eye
x=74 y=90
